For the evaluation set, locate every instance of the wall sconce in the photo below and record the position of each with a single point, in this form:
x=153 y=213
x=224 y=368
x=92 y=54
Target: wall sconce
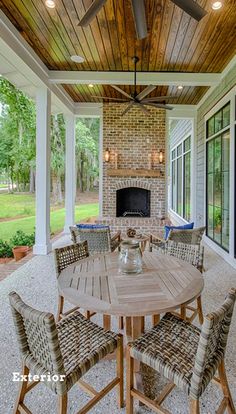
x=107 y=155
x=161 y=157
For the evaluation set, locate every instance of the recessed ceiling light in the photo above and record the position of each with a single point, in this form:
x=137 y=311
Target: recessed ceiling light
x=180 y=87
x=50 y=3
x=216 y=5
x=91 y=85
x=77 y=58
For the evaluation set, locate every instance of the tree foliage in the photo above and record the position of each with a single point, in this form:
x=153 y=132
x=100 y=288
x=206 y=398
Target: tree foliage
x=18 y=144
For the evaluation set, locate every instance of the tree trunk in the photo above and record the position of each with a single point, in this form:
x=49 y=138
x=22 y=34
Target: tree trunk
x=56 y=189
x=32 y=180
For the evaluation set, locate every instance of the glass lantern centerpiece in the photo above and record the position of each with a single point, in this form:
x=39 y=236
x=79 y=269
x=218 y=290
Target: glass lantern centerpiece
x=130 y=257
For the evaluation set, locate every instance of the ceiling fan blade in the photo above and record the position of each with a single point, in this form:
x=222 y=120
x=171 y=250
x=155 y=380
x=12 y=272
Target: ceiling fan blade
x=91 y=12
x=143 y=109
x=127 y=108
x=139 y=13
x=192 y=8
x=111 y=99
x=158 y=98
x=162 y=106
x=123 y=92
x=145 y=92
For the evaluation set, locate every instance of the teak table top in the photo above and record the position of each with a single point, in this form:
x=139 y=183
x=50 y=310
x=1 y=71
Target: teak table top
x=95 y=283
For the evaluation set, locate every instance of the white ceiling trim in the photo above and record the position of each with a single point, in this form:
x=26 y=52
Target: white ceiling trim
x=127 y=78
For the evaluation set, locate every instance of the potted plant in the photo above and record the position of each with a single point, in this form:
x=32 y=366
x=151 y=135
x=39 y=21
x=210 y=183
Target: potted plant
x=21 y=243
x=5 y=252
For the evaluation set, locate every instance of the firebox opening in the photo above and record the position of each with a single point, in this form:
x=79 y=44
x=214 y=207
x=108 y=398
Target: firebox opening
x=133 y=202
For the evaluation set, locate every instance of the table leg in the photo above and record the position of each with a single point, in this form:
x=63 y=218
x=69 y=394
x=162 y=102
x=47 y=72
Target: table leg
x=128 y=328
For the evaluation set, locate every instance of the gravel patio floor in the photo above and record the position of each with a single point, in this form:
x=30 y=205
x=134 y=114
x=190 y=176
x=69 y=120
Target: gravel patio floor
x=36 y=283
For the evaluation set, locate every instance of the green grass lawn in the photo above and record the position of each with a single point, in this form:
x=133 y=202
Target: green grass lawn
x=12 y=205
x=8 y=228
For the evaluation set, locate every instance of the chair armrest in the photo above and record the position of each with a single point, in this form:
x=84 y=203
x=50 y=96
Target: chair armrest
x=116 y=236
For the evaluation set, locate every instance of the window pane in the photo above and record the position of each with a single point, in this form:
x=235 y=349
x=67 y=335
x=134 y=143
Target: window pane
x=179 y=186
x=217 y=224
x=211 y=127
x=210 y=156
x=187 y=144
x=173 y=154
x=218 y=121
x=226 y=116
x=225 y=229
x=179 y=150
x=210 y=220
x=217 y=154
x=225 y=190
x=173 y=186
x=225 y=156
x=187 y=185
x=210 y=189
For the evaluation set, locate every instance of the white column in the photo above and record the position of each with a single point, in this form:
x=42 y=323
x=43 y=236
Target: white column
x=70 y=179
x=101 y=167
x=43 y=113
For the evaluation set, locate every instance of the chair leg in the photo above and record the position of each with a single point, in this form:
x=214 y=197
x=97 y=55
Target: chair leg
x=199 y=309
x=87 y=314
x=129 y=382
x=142 y=324
x=194 y=406
x=183 y=312
x=107 y=322
x=22 y=391
x=60 y=307
x=121 y=323
x=155 y=319
x=120 y=371
x=225 y=388
x=62 y=404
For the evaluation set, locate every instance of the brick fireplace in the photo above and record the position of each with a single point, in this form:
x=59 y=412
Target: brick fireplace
x=133 y=179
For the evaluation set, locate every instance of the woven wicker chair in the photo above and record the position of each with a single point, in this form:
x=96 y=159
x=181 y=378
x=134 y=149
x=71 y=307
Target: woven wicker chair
x=66 y=350
x=64 y=257
x=189 y=236
x=193 y=254
x=186 y=356
x=99 y=239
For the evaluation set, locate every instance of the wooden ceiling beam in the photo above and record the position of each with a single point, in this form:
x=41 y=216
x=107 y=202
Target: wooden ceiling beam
x=127 y=78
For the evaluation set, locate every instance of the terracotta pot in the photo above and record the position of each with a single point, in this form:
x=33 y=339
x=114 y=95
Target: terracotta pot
x=4 y=260
x=19 y=252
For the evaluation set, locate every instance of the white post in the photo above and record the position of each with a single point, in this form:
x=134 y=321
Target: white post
x=43 y=113
x=101 y=167
x=70 y=179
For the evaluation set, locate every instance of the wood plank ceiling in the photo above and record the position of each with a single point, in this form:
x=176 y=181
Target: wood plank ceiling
x=175 y=42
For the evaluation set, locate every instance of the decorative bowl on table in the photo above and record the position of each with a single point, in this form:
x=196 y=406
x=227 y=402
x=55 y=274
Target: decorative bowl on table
x=130 y=257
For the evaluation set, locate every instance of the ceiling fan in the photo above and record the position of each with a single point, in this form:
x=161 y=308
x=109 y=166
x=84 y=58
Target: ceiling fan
x=139 y=99
x=138 y=7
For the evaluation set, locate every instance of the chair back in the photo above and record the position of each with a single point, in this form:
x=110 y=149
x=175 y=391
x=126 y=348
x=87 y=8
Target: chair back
x=38 y=340
x=99 y=239
x=212 y=345
x=193 y=254
x=74 y=234
x=65 y=256
x=187 y=236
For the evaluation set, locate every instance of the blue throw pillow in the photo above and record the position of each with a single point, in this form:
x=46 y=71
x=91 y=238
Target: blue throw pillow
x=188 y=226
x=92 y=226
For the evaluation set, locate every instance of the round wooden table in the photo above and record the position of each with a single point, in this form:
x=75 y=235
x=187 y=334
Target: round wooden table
x=96 y=284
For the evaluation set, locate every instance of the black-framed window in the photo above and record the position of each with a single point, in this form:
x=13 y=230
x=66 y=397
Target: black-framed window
x=217 y=170
x=181 y=179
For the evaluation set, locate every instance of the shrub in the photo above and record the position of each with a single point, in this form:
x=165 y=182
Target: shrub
x=22 y=239
x=5 y=249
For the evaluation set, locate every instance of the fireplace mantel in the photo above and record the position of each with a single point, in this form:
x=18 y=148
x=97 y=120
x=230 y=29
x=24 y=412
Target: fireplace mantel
x=126 y=172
